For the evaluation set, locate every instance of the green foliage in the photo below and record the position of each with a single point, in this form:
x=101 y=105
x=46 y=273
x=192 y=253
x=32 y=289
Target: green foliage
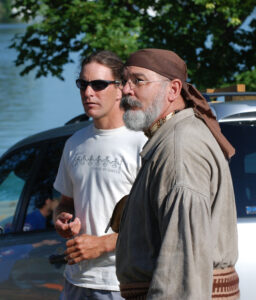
x=248 y=78
x=206 y=34
x=5 y=11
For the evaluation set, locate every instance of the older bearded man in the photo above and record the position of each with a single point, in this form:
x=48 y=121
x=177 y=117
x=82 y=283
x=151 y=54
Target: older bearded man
x=178 y=233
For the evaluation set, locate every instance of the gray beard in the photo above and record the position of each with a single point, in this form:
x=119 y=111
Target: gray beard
x=138 y=120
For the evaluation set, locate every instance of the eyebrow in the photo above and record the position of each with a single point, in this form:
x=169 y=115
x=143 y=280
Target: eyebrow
x=137 y=74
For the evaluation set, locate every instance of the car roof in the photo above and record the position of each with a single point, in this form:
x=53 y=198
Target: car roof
x=54 y=133
x=224 y=111
x=238 y=110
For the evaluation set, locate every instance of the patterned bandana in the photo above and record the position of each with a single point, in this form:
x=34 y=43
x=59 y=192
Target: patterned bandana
x=151 y=131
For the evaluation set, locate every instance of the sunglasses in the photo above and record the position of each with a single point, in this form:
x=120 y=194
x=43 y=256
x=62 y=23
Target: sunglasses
x=96 y=85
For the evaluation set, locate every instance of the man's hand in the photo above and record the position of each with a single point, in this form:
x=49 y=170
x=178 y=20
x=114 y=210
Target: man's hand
x=65 y=227
x=88 y=247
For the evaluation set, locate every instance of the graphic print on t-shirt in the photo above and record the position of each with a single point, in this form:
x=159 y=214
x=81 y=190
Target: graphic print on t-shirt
x=100 y=163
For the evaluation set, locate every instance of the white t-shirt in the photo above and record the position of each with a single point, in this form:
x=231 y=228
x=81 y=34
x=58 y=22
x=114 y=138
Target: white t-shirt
x=97 y=168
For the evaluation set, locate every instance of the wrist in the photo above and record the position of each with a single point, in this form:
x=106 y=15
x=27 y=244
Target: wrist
x=108 y=242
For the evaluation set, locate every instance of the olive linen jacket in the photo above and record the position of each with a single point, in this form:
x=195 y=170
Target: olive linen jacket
x=179 y=222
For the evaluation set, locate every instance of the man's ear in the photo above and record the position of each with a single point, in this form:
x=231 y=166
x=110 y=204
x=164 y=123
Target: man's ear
x=175 y=87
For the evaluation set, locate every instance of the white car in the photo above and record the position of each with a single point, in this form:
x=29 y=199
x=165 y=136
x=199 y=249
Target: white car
x=31 y=262
x=238 y=123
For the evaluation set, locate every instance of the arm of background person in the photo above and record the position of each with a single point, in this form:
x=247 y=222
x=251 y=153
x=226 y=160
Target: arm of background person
x=65 y=222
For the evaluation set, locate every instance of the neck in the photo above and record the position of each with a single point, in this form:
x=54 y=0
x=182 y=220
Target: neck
x=44 y=211
x=161 y=117
x=111 y=119
x=108 y=123
x=177 y=105
x=157 y=124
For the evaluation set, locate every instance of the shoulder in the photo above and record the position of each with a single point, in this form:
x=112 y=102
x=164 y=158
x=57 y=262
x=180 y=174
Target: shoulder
x=81 y=133
x=134 y=137
x=78 y=137
x=192 y=125
x=31 y=216
x=34 y=220
x=190 y=134
x=190 y=154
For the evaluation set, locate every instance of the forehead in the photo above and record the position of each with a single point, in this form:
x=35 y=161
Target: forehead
x=94 y=70
x=138 y=71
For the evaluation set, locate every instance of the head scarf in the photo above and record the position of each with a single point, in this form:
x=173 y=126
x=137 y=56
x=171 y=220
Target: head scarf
x=170 y=65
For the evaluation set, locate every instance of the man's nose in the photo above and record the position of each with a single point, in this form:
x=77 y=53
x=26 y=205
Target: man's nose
x=127 y=89
x=88 y=91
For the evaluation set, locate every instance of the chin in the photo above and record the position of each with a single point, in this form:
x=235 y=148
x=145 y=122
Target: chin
x=90 y=113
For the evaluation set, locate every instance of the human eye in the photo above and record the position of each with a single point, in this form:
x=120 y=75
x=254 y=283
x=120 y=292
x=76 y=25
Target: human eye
x=124 y=81
x=138 y=81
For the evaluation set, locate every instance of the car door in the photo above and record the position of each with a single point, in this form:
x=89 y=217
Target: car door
x=243 y=169
x=25 y=269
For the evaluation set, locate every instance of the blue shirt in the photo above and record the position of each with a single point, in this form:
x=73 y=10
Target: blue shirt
x=34 y=221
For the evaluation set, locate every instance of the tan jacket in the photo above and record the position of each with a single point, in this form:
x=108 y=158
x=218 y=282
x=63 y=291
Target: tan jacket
x=179 y=222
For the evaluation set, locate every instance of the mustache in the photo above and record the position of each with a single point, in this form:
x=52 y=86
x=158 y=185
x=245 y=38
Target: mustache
x=128 y=102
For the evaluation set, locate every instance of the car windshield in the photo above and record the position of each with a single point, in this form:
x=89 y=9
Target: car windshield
x=243 y=165
x=14 y=172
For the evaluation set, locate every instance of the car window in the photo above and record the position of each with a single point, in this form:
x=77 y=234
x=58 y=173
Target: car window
x=43 y=197
x=14 y=172
x=243 y=165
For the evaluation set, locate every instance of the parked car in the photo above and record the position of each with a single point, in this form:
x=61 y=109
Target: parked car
x=238 y=123
x=31 y=262
x=242 y=110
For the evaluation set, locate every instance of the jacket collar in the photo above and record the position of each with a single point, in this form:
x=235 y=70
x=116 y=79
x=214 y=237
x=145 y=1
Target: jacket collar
x=153 y=143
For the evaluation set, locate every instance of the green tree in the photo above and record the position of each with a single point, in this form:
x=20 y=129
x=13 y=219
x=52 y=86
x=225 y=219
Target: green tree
x=248 y=78
x=206 y=34
x=5 y=11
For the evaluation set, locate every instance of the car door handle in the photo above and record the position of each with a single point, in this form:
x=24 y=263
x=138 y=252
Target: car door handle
x=57 y=259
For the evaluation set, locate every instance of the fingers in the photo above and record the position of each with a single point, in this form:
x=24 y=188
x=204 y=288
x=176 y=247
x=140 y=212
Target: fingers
x=60 y=225
x=73 y=253
x=76 y=250
x=63 y=229
x=62 y=221
x=75 y=257
x=72 y=261
x=64 y=217
x=66 y=228
x=74 y=246
x=83 y=247
x=75 y=226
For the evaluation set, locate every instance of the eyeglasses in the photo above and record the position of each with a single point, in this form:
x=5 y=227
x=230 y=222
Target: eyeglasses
x=135 y=82
x=96 y=85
